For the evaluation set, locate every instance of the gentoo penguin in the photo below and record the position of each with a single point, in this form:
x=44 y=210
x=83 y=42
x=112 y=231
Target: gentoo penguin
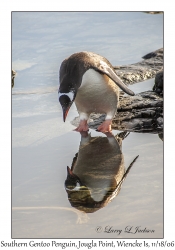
x=90 y=80
x=97 y=172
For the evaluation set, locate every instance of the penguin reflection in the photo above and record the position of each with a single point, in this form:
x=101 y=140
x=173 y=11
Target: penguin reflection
x=97 y=172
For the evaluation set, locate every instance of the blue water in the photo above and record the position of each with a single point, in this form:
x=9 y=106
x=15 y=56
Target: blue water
x=43 y=145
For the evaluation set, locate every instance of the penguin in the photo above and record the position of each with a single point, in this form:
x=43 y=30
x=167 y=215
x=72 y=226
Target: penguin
x=90 y=81
x=97 y=171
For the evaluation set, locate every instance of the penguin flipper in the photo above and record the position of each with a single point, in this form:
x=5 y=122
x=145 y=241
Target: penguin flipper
x=104 y=68
x=119 y=82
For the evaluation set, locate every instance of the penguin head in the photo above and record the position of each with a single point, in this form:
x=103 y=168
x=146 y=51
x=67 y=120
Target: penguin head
x=66 y=100
x=70 y=78
x=72 y=182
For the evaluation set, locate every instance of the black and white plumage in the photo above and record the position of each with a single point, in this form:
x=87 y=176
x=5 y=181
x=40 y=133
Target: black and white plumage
x=90 y=80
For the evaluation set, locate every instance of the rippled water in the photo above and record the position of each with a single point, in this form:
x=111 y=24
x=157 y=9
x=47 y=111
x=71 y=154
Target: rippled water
x=43 y=145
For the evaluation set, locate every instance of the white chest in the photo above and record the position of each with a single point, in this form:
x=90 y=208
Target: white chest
x=97 y=93
x=92 y=79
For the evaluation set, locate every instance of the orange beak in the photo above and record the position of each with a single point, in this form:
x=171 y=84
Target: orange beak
x=69 y=171
x=65 y=112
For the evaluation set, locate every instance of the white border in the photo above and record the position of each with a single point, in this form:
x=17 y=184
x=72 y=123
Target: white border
x=5 y=145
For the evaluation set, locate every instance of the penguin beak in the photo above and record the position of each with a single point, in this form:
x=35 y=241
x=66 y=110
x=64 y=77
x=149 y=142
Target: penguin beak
x=65 y=112
x=69 y=171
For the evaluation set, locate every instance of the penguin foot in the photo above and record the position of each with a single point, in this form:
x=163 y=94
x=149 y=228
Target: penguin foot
x=105 y=126
x=82 y=126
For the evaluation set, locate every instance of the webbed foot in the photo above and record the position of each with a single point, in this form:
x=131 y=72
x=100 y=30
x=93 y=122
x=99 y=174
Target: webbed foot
x=82 y=126
x=105 y=126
